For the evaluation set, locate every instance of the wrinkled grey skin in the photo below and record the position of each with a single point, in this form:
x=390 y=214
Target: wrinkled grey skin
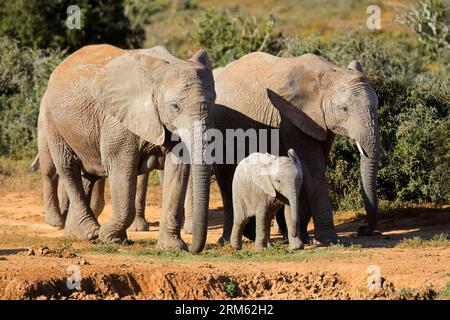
x=106 y=111
x=97 y=202
x=262 y=183
x=310 y=100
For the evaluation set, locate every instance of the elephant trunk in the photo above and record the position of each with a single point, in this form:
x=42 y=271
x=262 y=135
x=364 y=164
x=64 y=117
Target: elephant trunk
x=200 y=180
x=295 y=213
x=369 y=146
x=201 y=174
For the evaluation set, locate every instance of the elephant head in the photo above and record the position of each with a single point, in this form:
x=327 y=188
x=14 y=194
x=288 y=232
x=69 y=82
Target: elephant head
x=154 y=97
x=280 y=176
x=328 y=98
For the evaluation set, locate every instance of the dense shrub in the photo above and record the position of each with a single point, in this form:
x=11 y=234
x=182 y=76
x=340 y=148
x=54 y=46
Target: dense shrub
x=24 y=73
x=413 y=112
x=430 y=21
x=227 y=38
x=42 y=23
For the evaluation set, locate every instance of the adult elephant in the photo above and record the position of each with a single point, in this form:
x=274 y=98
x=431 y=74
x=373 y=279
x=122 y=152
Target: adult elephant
x=309 y=100
x=105 y=112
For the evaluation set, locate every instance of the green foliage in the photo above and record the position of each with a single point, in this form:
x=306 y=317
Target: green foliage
x=414 y=102
x=417 y=242
x=24 y=73
x=139 y=12
x=104 y=248
x=430 y=22
x=231 y=289
x=227 y=38
x=445 y=293
x=42 y=24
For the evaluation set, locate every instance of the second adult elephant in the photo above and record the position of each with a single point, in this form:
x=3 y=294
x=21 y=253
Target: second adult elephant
x=309 y=100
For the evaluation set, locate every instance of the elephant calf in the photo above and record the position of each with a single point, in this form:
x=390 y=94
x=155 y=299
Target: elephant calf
x=262 y=183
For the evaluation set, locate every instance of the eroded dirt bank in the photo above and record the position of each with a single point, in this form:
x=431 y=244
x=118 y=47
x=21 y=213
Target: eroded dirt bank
x=34 y=259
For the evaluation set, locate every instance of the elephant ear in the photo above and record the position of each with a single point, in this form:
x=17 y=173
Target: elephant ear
x=308 y=116
x=262 y=177
x=123 y=89
x=201 y=57
x=293 y=155
x=355 y=66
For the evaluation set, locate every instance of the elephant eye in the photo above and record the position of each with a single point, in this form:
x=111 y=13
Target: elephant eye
x=174 y=106
x=343 y=108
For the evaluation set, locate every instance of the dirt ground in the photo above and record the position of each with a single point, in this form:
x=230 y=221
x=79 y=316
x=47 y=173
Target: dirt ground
x=36 y=261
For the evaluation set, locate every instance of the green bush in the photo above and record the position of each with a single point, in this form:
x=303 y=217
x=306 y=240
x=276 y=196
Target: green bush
x=227 y=38
x=414 y=105
x=24 y=73
x=42 y=24
x=430 y=21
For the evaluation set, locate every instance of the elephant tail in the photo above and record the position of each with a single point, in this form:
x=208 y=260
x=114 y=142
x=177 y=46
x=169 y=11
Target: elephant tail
x=34 y=166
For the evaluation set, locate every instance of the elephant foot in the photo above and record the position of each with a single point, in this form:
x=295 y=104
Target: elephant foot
x=171 y=243
x=366 y=231
x=86 y=229
x=285 y=238
x=321 y=242
x=108 y=233
x=236 y=244
x=55 y=220
x=187 y=227
x=325 y=237
x=296 y=244
x=139 y=224
x=223 y=240
x=260 y=247
x=306 y=239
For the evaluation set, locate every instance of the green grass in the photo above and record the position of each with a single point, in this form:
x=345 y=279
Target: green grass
x=417 y=242
x=445 y=293
x=277 y=252
x=104 y=248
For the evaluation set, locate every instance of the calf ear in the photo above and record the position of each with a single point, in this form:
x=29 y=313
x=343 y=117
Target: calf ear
x=293 y=155
x=123 y=89
x=202 y=57
x=355 y=66
x=261 y=174
x=265 y=184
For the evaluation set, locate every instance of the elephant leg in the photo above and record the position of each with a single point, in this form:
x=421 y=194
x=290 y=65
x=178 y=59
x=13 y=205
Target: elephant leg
x=263 y=218
x=316 y=189
x=188 y=205
x=80 y=221
x=161 y=176
x=122 y=183
x=295 y=243
x=139 y=223
x=224 y=177
x=281 y=223
x=98 y=197
x=50 y=183
x=63 y=199
x=174 y=192
x=238 y=227
x=305 y=217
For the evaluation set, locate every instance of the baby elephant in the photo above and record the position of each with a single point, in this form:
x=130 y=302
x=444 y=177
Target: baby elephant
x=262 y=183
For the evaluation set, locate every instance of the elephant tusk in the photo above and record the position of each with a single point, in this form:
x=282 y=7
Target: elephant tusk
x=361 y=151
